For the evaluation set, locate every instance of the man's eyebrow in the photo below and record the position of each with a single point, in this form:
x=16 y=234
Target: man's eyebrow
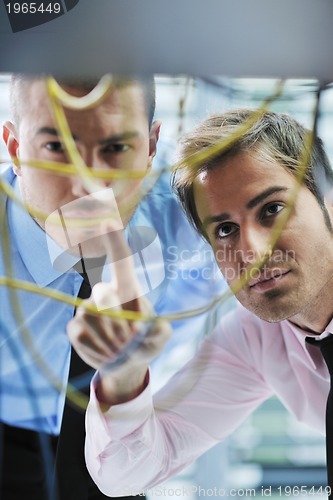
x=109 y=140
x=251 y=204
x=262 y=196
x=120 y=137
x=48 y=131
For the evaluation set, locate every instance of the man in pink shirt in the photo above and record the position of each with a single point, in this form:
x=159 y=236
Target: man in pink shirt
x=237 y=200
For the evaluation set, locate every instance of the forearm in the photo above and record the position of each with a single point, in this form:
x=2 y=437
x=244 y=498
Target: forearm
x=142 y=447
x=112 y=437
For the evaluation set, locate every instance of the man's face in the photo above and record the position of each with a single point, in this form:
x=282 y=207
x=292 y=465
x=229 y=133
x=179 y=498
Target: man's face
x=113 y=135
x=239 y=203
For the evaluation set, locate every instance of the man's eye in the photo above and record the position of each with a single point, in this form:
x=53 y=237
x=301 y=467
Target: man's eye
x=116 y=148
x=273 y=209
x=225 y=230
x=54 y=146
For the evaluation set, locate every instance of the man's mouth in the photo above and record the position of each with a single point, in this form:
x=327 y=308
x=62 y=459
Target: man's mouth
x=87 y=215
x=268 y=279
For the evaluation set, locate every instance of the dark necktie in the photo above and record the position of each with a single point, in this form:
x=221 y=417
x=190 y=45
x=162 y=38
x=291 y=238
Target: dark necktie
x=73 y=479
x=326 y=347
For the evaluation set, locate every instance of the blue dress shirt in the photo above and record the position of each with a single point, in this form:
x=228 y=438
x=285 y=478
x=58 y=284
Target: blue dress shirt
x=33 y=340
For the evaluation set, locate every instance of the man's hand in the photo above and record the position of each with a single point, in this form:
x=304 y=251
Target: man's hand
x=101 y=340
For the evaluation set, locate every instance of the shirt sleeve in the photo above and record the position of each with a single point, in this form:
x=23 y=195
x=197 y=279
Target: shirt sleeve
x=141 y=443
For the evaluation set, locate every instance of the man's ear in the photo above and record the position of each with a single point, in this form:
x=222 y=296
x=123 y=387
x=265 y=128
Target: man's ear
x=10 y=137
x=153 y=138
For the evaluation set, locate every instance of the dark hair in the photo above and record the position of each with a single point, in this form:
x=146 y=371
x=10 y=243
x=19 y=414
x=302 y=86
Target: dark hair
x=272 y=136
x=20 y=82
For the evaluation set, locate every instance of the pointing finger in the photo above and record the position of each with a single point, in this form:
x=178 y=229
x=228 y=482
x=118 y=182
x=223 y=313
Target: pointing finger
x=122 y=268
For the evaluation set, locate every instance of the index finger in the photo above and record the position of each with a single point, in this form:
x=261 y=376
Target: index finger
x=122 y=266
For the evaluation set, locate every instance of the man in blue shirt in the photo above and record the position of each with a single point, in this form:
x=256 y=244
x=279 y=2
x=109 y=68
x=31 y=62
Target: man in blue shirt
x=118 y=133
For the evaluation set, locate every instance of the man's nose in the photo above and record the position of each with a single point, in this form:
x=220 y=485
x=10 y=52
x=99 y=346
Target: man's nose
x=80 y=185
x=255 y=245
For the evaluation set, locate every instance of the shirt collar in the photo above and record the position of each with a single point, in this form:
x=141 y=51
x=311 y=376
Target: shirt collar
x=327 y=331
x=313 y=354
x=31 y=242
x=329 y=328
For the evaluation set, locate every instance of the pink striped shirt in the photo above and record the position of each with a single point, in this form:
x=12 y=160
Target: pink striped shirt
x=141 y=443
